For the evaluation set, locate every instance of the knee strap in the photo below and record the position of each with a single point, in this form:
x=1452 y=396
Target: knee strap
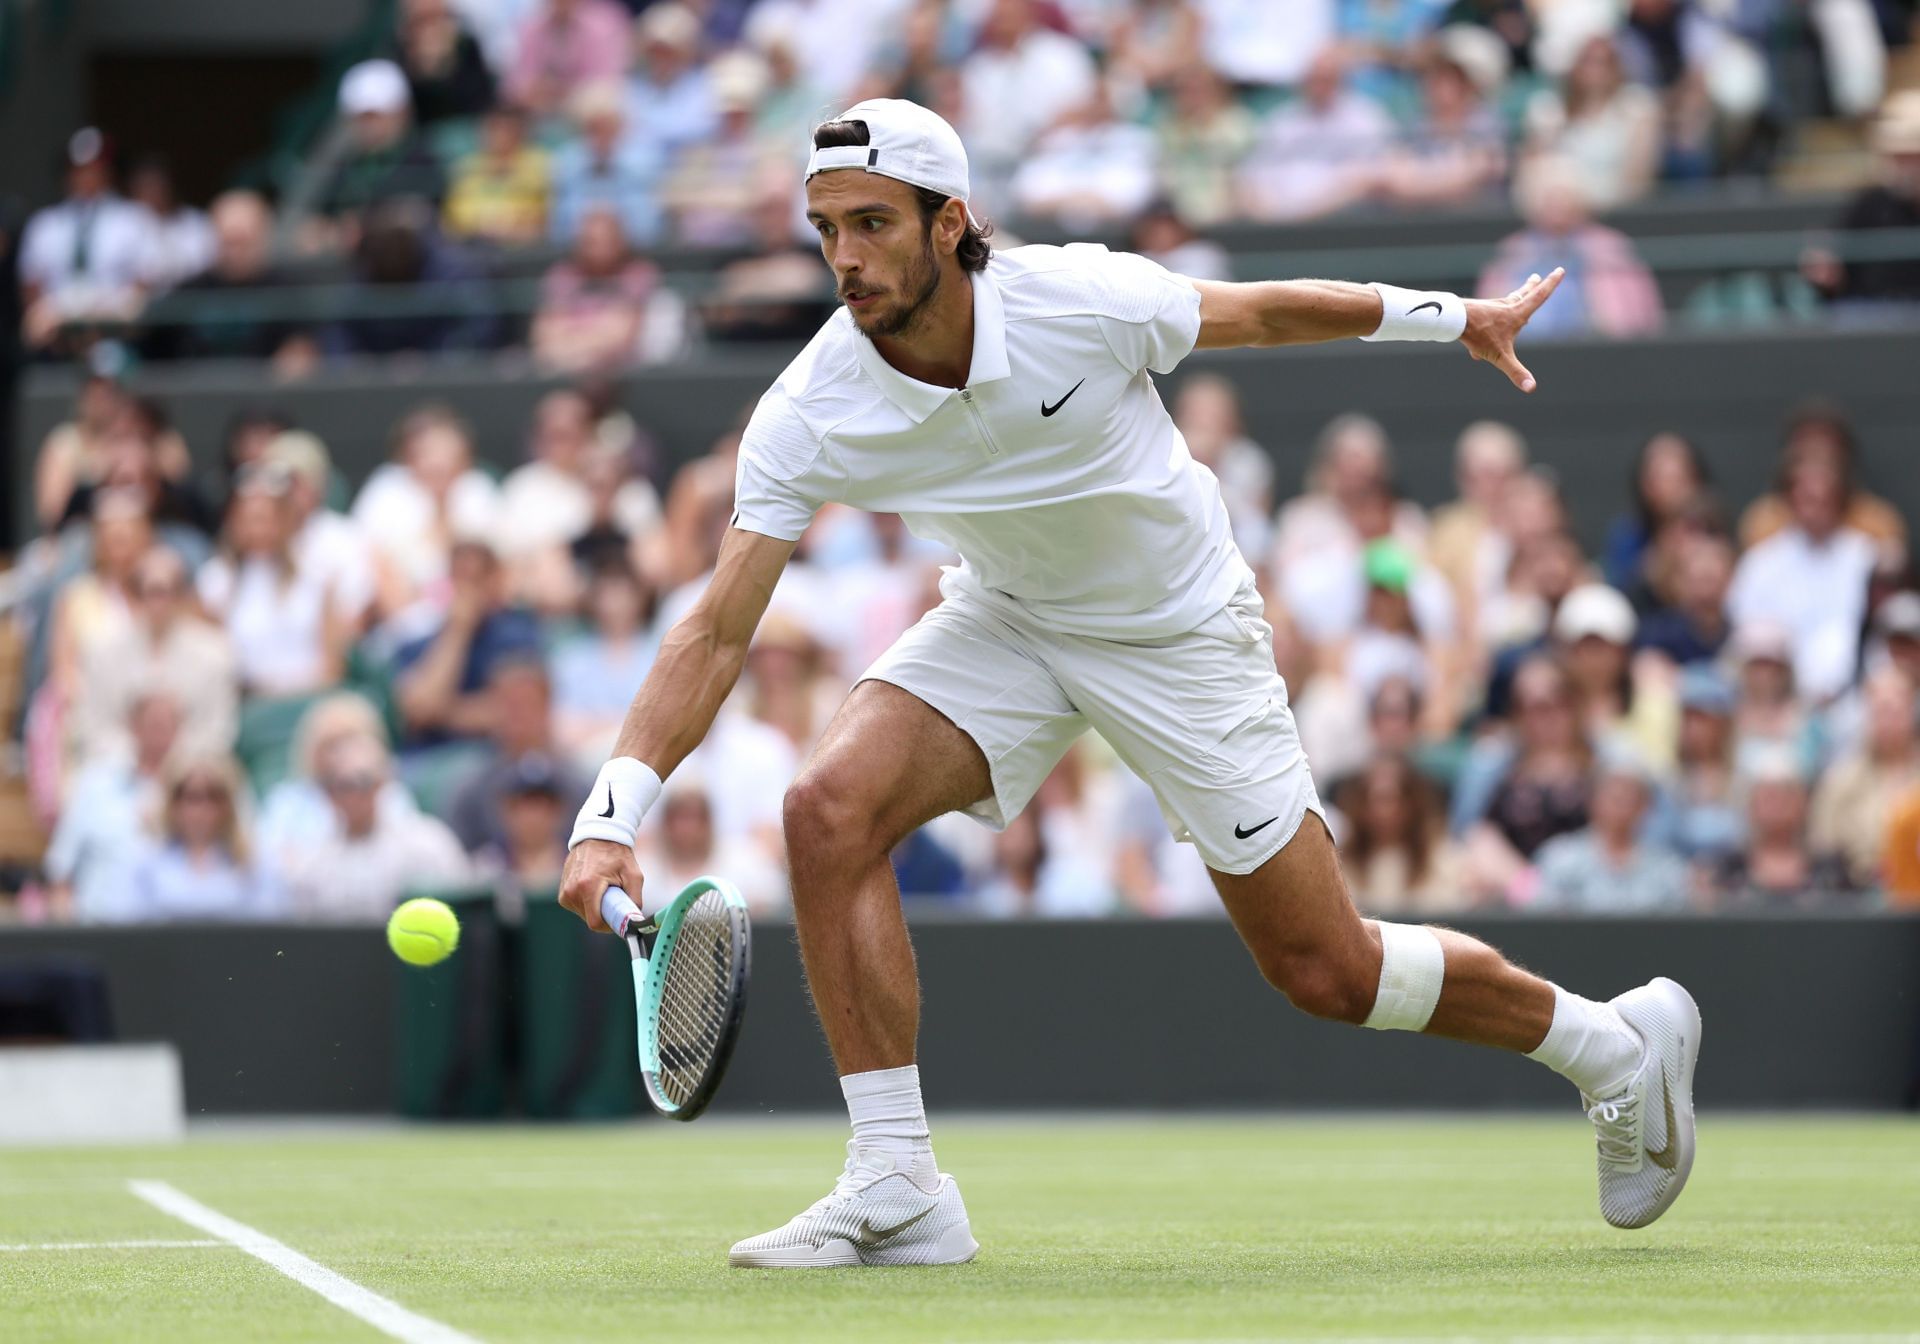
x=1412 y=965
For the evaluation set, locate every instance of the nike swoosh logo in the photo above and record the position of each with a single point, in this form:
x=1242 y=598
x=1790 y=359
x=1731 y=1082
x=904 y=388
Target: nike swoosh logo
x=1046 y=410
x=1239 y=834
x=1430 y=303
x=869 y=1235
x=1666 y=1158
x=609 y=811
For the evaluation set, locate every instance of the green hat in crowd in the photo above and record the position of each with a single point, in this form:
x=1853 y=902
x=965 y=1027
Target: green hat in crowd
x=1388 y=565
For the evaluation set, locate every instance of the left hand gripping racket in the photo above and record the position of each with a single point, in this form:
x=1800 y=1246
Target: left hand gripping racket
x=690 y=966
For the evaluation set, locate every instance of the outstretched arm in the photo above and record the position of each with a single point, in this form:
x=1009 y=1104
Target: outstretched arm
x=698 y=664
x=1306 y=312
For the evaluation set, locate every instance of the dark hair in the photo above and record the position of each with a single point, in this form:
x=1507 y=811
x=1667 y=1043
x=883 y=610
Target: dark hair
x=1423 y=819
x=1824 y=418
x=974 y=251
x=1697 y=464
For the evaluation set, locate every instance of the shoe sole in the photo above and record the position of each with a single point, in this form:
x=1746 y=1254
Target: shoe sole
x=1687 y=1013
x=955 y=1246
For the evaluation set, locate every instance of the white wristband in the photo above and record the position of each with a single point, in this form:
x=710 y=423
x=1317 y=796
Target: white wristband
x=1418 y=315
x=623 y=792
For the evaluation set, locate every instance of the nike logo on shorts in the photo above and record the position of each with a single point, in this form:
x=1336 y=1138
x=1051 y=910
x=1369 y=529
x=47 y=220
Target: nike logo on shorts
x=1239 y=834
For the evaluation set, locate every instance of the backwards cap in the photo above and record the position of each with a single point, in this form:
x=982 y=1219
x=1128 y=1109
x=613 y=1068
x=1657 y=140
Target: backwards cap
x=905 y=141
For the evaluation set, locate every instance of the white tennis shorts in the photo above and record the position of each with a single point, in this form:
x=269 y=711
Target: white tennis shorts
x=1201 y=716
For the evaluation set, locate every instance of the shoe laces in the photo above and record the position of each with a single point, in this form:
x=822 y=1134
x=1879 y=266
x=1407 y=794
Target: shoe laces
x=1617 y=1121
x=862 y=1166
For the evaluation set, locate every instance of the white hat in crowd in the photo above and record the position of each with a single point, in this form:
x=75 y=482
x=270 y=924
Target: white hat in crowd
x=373 y=86
x=1595 y=609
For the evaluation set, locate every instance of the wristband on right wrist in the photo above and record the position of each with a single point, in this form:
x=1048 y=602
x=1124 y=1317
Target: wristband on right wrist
x=622 y=794
x=1418 y=315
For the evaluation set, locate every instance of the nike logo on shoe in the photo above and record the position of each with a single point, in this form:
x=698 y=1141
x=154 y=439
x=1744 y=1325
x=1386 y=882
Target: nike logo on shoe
x=609 y=811
x=1665 y=1158
x=1239 y=834
x=1046 y=410
x=869 y=1235
x=1430 y=303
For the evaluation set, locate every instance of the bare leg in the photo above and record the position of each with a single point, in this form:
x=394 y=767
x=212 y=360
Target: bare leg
x=888 y=763
x=1295 y=916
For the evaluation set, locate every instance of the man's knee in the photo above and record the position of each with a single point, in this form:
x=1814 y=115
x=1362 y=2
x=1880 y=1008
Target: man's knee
x=1320 y=984
x=826 y=814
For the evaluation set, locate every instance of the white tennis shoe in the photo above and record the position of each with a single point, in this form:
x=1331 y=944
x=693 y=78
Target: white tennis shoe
x=1646 y=1129
x=878 y=1213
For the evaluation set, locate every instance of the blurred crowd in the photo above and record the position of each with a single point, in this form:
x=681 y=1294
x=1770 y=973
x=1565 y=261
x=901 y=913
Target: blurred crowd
x=287 y=698
x=589 y=135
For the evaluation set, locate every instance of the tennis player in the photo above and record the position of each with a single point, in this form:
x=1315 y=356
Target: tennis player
x=1003 y=404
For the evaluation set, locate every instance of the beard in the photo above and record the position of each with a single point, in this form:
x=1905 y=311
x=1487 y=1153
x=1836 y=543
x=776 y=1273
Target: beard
x=920 y=283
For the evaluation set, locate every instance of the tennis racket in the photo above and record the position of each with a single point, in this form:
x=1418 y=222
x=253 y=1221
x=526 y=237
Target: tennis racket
x=690 y=965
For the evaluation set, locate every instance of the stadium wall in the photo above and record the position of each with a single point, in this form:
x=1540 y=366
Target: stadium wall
x=1800 y=1013
x=1597 y=401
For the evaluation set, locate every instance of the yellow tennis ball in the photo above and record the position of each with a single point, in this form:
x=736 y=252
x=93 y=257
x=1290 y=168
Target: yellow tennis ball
x=423 y=931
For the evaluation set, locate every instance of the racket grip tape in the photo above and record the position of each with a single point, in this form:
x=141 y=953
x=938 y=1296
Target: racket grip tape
x=618 y=909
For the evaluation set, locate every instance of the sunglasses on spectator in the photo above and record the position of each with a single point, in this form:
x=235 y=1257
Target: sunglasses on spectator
x=358 y=782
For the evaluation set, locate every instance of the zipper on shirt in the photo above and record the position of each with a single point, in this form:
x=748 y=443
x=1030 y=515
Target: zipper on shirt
x=979 y=422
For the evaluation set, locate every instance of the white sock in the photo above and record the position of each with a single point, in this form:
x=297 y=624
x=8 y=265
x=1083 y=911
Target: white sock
x=888 y=1115
x=1589 y=1044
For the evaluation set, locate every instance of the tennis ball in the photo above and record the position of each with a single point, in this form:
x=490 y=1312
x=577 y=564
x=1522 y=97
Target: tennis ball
x=423 y=931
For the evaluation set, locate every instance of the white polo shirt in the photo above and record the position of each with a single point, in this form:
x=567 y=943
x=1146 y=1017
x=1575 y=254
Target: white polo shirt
x=1056 y=473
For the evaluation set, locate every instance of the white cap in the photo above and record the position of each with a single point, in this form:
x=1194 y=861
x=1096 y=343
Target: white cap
x=1594 y=609
x=905 y=141
x=373 y=86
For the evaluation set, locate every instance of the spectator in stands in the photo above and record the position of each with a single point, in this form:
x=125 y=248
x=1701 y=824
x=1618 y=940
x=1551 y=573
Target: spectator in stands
x=531 y=845
x=179 y=238
x=685 y=844
x=1704 y=820
x=669 y=96
x=1151 y=45
x=236 y=307
x=373 y=854
x=96 y=607
x=1029 y=879
x=1251 y=42
x=1547 y=565
x=1207 y=412
x=1609 y=867
x=596 y=673
x=98 y=835
x=1457 y=150
x=1395 y=854
x=1855 y=797
x=1352 y=464
x=244 y=441
x=413 y=507
x=1900 y=854
x=595 y=304
x=1022 y=78
x=144 y=455
x=1771 y=719
x=1469 y=544
x=447 y=77
x=1891 y=203
x=1811 y=579
x=84 y=259
x=444 y=682
x=778 y=291
x=384 y=160
x=501 y=189
x=788 y=687
x=1605 y=127
x=1160 y=235
x=326 y=543
x=605 y=167
x=790 y=103
x=288 y=633
x=1509 y=20
x=1203 y=137
x=1594 y=629
x=1089 y=169
x=166 y=648
x=296 y=812
x=519 y=696
x=1607 y=290
x=199 y=865
x=712 y=191
x=1693 y=628
x=1823 y=433
x=1776 y=870
x=74 y=453
x=1895 y=637
x=442 y=305
x=1668 y=475
x=1319 y=153
x=562 y=46
x=1527 y=792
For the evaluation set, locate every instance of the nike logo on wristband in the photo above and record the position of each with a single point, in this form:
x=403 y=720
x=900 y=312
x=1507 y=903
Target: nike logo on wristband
x=609 y=812
x=1430 y=303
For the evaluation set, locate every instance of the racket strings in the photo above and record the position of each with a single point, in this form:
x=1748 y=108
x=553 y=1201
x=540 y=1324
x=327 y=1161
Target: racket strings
x=695 y=996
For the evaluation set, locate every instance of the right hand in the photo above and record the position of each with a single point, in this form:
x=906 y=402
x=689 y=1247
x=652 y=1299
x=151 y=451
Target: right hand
x=593 y=866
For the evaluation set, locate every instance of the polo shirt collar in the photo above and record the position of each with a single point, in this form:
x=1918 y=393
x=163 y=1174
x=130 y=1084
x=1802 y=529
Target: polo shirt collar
x=920 y=400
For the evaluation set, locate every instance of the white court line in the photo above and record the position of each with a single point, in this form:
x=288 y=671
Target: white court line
x=383 y=1314
x=149 y=1245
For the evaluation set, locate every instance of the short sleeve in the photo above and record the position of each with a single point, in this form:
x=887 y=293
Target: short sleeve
x=775 y=452
x=1149 y=315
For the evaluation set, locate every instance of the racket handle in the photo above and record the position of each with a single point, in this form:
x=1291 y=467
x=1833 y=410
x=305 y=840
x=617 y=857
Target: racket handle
x=618 y=909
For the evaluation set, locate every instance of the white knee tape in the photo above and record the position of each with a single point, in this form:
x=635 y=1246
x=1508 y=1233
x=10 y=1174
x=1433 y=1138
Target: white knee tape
x=1412 y=965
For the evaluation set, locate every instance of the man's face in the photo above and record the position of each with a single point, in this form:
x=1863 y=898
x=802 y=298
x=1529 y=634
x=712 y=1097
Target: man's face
x=241 y=230
x=886 y=259
x=1815 y=498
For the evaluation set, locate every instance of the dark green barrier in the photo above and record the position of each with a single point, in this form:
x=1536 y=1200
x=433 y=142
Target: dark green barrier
x=450 y=1020
x=578 y=1054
